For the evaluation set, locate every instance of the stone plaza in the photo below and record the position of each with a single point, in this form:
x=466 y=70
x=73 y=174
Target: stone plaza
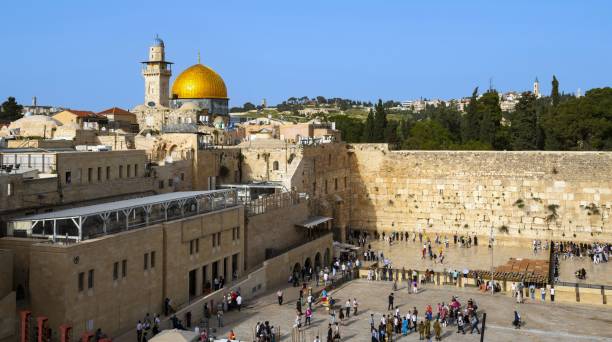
x=543 y=321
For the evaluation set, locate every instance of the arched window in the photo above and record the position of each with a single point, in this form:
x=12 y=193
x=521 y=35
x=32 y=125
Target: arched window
x=275 y=165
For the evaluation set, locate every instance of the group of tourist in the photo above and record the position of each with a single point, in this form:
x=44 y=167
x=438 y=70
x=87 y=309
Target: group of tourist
x=147 y=327
x=597 y=252
x=397 y=324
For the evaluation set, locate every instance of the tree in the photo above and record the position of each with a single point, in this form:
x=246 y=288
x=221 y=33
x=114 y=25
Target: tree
x=391 y=133
x=554 y=94
x=428 y=135
x=249 y=106
x=321 y=99
x=380 y=122
x=490 y=116
x=10 y=110
x=524 y=124
x=351 y=128
x=368 y=129
x=471 y=120
x=583 y=123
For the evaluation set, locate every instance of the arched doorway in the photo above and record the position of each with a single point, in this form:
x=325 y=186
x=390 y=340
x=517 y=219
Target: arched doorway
x=317 y=262
x=326 y=258
x=296 y=273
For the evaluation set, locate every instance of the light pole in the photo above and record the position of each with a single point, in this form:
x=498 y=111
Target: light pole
x=491 y=244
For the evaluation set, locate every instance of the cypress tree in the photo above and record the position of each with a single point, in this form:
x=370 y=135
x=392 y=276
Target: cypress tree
x=524 y=128
x=368 y=129
x=554 y=94
x=380 y=122
x=471 y=120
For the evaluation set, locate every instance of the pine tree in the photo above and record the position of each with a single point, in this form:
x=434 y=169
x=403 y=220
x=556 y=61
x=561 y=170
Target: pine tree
x=554 y=94
x=524 y=127
x=380 y=122
x=368 y=129
x=10 y=110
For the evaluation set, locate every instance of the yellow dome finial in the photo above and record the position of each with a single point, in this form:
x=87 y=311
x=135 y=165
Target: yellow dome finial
x=199 y=57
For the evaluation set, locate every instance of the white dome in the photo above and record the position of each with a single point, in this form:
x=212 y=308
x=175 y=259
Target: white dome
x=35 y=125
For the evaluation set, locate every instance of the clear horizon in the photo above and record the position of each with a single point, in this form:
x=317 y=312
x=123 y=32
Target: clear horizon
x=86 y=55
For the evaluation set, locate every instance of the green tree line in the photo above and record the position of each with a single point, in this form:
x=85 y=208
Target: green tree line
x=554 y=122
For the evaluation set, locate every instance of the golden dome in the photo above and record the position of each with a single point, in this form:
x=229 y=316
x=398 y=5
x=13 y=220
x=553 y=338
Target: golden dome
x=199 y=82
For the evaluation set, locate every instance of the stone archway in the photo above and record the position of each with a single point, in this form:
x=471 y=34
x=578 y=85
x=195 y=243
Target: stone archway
x=317 y=261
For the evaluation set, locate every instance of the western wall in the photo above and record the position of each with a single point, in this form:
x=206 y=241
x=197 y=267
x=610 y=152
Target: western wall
x=519 y=196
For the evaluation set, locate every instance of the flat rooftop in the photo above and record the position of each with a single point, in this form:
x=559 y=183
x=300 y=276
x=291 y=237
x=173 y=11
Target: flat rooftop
x=107 y=218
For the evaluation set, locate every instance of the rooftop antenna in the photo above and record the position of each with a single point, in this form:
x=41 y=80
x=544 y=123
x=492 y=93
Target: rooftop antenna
x=490 y=83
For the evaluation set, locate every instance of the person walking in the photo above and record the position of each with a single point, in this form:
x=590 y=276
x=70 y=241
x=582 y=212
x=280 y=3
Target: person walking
x=279 y=296
x=347 y=307
x=355 y=304
x=239 y=302
x=391 y=297
x=220 y=318
x=421 y=330
x=308 y=316
x=474 y=323
x=543 y=292
x=552 y=293
x=139 y=331
x=438 y=328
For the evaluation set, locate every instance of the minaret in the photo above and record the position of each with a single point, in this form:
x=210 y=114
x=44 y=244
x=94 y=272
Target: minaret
x=156 y=72
x=536 y=88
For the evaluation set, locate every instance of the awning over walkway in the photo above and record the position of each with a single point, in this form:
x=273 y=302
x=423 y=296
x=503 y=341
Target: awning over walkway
x=314 y=221
x=175 y=335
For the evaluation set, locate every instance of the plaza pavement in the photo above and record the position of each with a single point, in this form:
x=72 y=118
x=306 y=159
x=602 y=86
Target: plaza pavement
x=543 y=321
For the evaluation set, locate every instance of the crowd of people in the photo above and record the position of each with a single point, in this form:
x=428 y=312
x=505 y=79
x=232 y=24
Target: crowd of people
x=431 y=323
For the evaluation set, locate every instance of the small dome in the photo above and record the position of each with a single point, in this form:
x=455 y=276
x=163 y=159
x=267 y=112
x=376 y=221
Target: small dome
x=158 y=42
x=199 y=82
x=35 y=125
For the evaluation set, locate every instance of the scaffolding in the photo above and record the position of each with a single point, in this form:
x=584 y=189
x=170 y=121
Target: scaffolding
x=93 y=221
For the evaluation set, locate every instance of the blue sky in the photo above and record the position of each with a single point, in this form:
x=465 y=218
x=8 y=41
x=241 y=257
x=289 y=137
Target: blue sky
x=86 y=54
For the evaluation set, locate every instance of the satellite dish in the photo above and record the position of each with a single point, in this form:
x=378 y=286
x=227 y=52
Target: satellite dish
x=151 y=104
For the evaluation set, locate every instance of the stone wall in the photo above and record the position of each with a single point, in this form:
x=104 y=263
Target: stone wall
x=273 y=229
x=560 y=195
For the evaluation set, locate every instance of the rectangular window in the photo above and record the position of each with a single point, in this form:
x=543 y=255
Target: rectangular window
x=170 y=182
x=146 y=261
x=108 y=173
x=115 y=270
x=68 y=177
x=197 y=243
x=182 y=176
x=89 y=175
x=99 y=173
x=326 y=186
x=314 y=188
x=124 y=268
x=335 y=183
x=120 y=171
x=129 y=170
x=153 y=259
x=345 y=182
x=237 y=232
x=219 y=239
x=161 y=184
x=191 y=247
x=233 y=234
x=135 y=170
x=214 y=240
x=81 y=281
x=90 y=279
